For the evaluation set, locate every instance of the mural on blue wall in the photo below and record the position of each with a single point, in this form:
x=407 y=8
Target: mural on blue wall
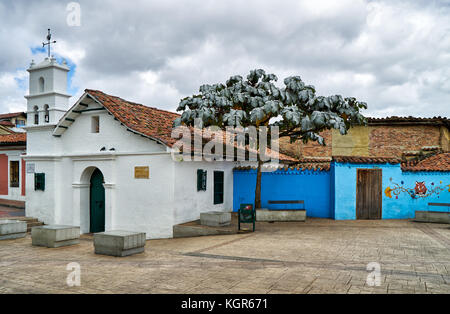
x=420 y=189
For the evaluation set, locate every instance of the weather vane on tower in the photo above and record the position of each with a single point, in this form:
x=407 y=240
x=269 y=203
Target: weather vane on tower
x=49 y=42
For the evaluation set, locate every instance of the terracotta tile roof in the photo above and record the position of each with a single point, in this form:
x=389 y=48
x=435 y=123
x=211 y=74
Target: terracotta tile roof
x=296 y=167
x=310 y=163
x=431 y=148
x=11 y=115
x=152 y=122
x=314 y=167
x=15 y=138
x=409 y=120
x=207 y=137
x=438 y=162
x=366 y=160
x=6 y=123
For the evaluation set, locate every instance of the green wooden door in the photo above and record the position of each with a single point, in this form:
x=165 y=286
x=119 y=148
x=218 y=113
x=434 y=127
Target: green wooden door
x=97 y=202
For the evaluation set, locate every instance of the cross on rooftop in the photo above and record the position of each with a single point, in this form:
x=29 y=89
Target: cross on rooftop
x=49 y=42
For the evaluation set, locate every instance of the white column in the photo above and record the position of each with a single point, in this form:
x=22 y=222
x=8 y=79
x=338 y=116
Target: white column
x=81 y=216
x=110 y=205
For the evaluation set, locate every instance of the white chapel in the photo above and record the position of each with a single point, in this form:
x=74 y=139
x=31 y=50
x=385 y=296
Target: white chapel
x=104 y=163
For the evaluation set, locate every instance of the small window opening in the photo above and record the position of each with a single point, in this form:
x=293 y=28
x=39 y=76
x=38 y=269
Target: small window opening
x=46 y=114
x=36 y=115
x=41 y=84
x=95 y=125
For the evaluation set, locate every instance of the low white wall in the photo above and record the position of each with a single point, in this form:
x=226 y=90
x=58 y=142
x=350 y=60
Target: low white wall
x=189 y=202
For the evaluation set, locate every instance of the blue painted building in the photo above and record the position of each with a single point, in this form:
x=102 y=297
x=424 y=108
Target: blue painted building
x=336 y=191
x=311 y=186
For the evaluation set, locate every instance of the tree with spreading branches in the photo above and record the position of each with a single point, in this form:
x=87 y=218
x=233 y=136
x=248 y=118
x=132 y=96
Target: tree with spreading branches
x=295 y=108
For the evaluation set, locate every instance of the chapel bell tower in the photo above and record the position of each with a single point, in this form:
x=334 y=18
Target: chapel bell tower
x=47 y=100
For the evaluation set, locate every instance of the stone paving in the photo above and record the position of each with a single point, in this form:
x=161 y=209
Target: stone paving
x=319 y=256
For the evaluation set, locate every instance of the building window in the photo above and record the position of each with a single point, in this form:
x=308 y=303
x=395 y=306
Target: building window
x=218 y=187
x=36 y=115
x=20 y=123
x=95 y=124
x=14 y=174
x=46 y=114
x=201 y=180
x=41 y=84
x=39 y=181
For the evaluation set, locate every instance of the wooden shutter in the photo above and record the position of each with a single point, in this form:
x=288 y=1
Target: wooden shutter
x=39 y=181
x=218 y=187
x=201 y=180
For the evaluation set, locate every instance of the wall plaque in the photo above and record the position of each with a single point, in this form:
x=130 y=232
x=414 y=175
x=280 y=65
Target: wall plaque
x=30 y=168
x=141 y=172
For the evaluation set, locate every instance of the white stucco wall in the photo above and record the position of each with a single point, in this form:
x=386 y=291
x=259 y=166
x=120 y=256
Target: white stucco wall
x=189 y=202
x=42 y=204
x=168 y=197
x=78 y=139
x=145 y=204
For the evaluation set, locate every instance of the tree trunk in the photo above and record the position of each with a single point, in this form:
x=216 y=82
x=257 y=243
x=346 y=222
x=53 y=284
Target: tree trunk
x=258 y=185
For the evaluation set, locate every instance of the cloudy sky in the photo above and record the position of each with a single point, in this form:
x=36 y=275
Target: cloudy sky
x=392 y=54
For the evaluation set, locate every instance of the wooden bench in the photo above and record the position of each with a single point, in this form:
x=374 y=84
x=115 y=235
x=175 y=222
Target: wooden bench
x=294 y=213
x=246 y=214
x=434 y=215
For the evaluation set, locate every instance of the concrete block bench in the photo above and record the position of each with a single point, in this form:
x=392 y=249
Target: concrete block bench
x=435 y=216
x=53 y=236
x=284 y=210
x=279 y=215
x=12 y=229
x=432 y=216
x=119 y=243
x=215 y=219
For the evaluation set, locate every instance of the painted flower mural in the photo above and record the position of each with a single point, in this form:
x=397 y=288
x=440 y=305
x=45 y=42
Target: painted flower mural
x=419 y=190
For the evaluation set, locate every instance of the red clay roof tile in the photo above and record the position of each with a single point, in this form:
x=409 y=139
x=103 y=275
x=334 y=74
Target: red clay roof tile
x=11 y=115
x=15 y=138
x=438 y=162
x=409 y=120
x=152 y=122
x=7 y=123
x=366 y=160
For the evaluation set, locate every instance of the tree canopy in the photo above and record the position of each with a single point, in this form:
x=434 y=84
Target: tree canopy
x=295 y=108
x=257 y=101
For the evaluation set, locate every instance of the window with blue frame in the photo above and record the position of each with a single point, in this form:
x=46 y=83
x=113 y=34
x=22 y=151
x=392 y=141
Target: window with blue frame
x=20 y=123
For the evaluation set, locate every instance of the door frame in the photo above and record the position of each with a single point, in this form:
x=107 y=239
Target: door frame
x=380 y=209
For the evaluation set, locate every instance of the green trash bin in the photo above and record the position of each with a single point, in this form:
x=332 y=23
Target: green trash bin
x=246 y=214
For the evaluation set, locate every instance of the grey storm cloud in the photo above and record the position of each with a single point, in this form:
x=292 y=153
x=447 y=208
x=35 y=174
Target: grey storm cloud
x=392 y=54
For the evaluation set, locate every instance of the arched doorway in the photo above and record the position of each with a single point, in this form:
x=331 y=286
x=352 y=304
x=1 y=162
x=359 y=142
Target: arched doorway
x=97 y=202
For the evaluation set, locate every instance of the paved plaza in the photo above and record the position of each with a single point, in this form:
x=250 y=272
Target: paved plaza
x=319 y=256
